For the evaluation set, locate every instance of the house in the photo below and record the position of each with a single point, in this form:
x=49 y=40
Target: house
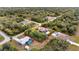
x=60 y=35
x=45 y=30
x=49 y=18
x=64 y=37
x=25 y=22
x=24 y=41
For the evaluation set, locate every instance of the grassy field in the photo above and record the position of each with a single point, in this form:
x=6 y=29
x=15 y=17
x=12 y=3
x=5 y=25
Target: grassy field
x=1 y=38
x=73 y=48
x=16 y=45
x=75 y=39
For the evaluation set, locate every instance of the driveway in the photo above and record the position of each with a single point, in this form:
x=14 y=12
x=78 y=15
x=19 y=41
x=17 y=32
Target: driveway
x=73 y=43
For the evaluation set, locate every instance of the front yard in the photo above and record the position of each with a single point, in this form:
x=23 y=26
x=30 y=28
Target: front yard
x=75 y=39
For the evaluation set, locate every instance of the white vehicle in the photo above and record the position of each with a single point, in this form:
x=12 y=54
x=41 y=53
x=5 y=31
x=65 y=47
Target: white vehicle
x=27 y=47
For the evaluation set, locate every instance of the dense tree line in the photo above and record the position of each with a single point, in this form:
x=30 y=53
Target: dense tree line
x=12 y=27
x=67 y=24
x=30 y=12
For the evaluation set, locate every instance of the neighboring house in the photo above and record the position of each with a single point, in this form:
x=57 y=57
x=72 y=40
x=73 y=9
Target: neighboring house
x=24 y=41
x=45 y=30
x=25 y=22
x=50 y=18
x=60 y=35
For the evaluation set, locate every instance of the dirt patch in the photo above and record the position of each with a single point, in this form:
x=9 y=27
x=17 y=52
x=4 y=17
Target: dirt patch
x=35 y=44
x=39 y=45
x=17 y=45
x=46 y=41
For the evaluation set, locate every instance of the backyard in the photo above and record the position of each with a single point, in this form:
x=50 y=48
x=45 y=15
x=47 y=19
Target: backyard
x=39 y=36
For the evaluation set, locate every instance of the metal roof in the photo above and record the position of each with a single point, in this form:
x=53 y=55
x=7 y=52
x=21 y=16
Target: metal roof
x=24 y=40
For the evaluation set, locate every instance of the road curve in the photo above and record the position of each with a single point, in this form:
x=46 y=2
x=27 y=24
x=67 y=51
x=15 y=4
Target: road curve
x=7 y=38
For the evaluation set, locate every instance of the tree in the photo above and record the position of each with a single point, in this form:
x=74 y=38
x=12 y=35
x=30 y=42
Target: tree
x=19 y=19
x=8 y=47
x=56 y=45
x=39 y=36
x=71 y=30
x=9 y=32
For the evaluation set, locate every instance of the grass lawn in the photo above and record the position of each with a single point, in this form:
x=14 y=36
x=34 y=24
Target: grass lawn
x=1 y=38
x=75 y=39
x=0 y=47
x=73 y=48
x=16 y=45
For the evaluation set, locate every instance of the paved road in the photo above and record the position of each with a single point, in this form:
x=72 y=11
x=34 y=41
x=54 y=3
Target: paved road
x=7 y=38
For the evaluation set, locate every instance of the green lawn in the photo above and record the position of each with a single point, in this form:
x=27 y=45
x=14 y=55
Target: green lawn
x=73 y=48
x=75 y=39
x=1 y=38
